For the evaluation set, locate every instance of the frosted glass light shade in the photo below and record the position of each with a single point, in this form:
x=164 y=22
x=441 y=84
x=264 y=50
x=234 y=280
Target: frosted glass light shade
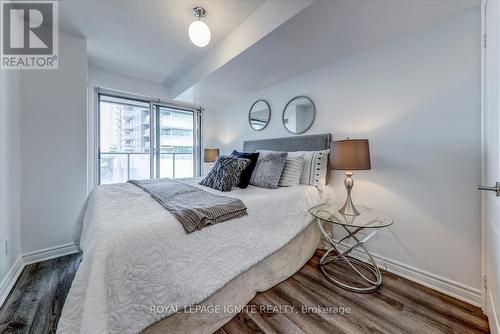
x=199 y=33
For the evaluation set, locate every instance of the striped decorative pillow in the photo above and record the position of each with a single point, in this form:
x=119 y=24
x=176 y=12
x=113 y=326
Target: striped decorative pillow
x=292 y=171
x=315 y=167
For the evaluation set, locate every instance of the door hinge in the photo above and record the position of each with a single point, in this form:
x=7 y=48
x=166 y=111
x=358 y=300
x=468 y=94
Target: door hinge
x=484 y=40
x=485 y=282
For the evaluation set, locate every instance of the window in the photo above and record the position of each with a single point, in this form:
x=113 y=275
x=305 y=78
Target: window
x=139 y=139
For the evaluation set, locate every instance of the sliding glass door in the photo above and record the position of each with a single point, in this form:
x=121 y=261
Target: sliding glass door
x=139 y=139
x=176 y=143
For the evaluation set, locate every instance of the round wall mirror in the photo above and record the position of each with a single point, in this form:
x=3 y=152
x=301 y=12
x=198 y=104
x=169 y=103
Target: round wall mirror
x=299 y=114
x=259 y=115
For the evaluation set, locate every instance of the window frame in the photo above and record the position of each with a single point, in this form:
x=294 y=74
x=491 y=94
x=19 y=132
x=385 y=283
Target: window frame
x=154 y=107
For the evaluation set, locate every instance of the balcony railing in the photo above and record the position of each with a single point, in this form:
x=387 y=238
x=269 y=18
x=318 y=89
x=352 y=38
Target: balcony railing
x=116 y=167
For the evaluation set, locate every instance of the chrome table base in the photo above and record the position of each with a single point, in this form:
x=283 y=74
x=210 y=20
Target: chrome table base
x=373 y=280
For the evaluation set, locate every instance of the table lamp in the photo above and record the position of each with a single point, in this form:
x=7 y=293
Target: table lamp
x=349 y=155
x=210 y=155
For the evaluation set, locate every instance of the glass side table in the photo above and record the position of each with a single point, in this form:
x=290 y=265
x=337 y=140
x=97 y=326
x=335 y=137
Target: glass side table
x=370 y=220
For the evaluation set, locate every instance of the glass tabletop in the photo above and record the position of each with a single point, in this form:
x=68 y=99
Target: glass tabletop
x=368 y=218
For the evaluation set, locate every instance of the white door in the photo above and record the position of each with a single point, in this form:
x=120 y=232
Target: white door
x=491 y=172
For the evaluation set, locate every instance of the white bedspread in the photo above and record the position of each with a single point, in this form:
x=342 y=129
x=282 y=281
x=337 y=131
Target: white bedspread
x=137 y=255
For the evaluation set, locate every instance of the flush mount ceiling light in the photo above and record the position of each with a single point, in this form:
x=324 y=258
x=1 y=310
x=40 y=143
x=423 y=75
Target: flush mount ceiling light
x=199 y=33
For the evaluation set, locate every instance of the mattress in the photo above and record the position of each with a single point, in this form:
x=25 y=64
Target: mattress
x=137 y=256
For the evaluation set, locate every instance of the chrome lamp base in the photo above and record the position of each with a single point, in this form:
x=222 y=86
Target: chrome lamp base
x=349 y=209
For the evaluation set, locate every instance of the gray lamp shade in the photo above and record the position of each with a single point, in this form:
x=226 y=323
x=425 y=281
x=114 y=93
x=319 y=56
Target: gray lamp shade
x=351 y=154
x=210 y=154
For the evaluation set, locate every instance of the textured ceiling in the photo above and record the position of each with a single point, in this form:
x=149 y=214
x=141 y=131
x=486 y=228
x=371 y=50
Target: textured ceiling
x=148 y=39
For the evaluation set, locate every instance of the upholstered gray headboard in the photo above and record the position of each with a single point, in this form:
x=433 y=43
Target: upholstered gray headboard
x=290 y=144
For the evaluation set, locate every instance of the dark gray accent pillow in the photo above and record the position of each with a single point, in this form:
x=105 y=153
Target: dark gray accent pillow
x=226 y=172
x=268 y=170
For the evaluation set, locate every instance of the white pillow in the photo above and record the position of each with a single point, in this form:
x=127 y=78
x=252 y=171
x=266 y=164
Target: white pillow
x=292 y=171
x=315 y=167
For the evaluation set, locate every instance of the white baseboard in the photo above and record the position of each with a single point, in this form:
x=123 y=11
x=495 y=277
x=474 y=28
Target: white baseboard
x=10 y=279
x=492 y=314
x=49 y=253
x=449 y=287
x=28 y=258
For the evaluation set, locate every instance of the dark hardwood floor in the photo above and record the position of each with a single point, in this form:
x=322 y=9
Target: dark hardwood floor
x=35 y=303
x=400 y=306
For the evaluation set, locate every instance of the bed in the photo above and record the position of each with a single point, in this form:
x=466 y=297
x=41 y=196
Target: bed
x=140 y=270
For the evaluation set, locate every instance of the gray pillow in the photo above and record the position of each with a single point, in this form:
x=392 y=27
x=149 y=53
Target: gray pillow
x=225 y=173
x=268 y=169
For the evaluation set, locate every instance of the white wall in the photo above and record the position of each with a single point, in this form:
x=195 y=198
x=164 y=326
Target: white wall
x=53 y=140
x=99 y=77
x=418 y=101
x=10 y=165
x=102 y=78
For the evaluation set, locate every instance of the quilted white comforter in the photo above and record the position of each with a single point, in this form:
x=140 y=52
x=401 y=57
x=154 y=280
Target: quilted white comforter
x=136 y=255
